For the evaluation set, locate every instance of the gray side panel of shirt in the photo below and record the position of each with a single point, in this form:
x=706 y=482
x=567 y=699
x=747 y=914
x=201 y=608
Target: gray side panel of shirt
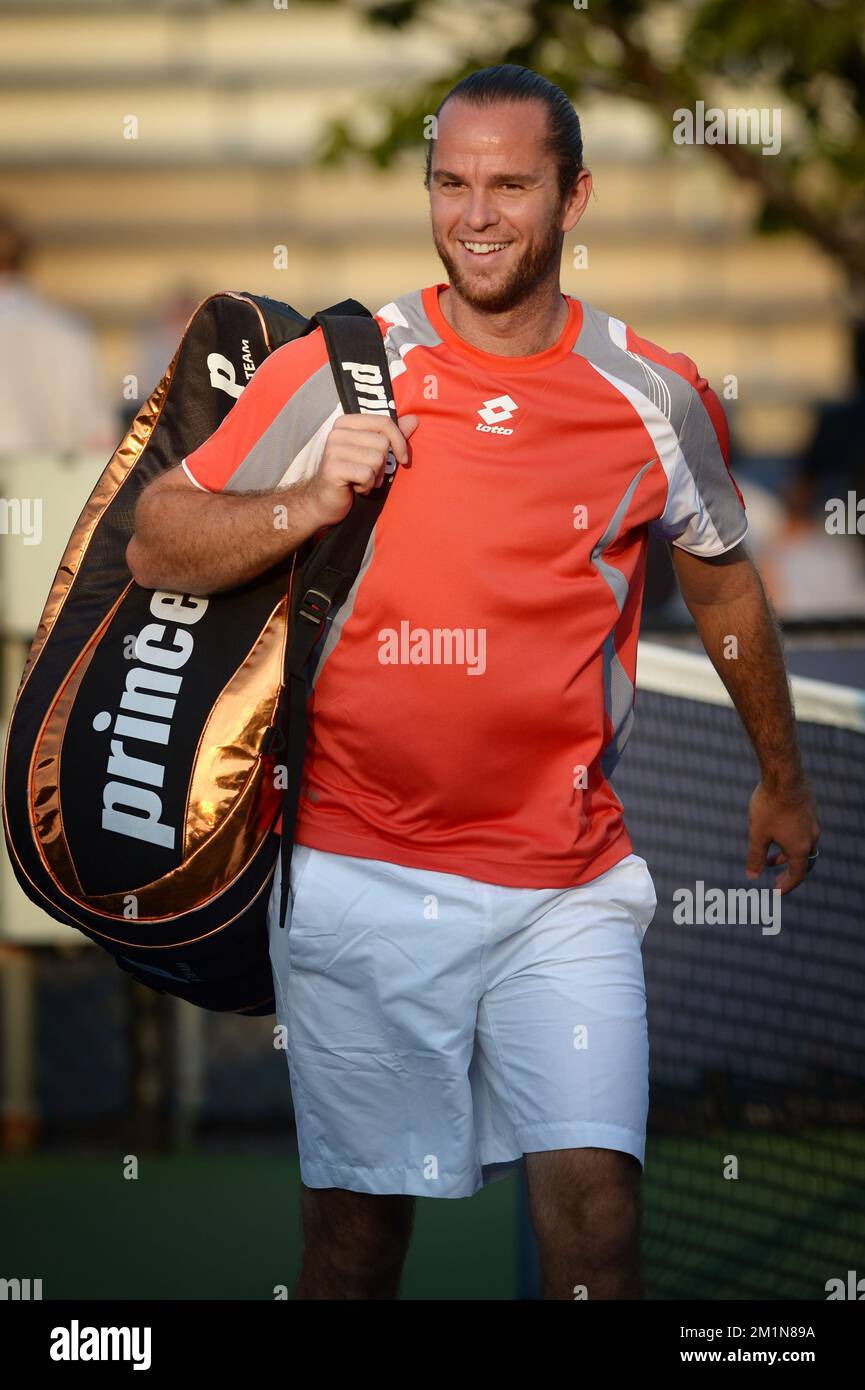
x=297 y=422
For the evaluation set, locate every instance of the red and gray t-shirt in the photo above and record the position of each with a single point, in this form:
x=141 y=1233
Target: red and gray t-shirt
x=476 y=689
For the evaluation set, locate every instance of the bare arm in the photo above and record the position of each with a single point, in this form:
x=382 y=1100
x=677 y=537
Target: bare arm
x=728 y=603
x=198 y=542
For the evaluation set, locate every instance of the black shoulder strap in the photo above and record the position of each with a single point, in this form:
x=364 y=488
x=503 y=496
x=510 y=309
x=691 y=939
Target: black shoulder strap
x=360 y=368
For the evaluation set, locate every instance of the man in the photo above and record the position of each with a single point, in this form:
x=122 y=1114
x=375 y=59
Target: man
x=52 y=397
x=460 y=974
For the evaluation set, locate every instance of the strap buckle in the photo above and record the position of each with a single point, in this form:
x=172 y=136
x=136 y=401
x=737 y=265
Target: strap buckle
x=315 y=606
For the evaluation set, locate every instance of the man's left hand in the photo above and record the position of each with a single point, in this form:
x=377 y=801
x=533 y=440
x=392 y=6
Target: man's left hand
x=787 y=815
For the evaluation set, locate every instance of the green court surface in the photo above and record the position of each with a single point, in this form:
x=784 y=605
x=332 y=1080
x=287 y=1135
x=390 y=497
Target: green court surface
x=792 y=1219
x=216 y=1226
x=211 y=1225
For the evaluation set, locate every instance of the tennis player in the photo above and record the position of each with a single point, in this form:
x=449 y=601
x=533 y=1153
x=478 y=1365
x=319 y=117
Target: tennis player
x=460 y=971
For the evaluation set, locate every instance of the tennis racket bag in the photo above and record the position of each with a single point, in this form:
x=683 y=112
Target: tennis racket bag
x=156 y=736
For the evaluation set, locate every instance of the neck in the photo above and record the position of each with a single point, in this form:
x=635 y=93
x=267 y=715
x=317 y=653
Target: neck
x=531 y=327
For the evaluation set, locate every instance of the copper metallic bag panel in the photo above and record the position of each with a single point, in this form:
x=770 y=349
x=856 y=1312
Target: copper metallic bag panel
x=134 y=777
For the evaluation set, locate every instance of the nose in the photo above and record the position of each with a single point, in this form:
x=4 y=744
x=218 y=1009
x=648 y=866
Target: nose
x=481 y=211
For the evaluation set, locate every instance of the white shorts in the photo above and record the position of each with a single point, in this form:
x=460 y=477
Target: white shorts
x=438 y=1027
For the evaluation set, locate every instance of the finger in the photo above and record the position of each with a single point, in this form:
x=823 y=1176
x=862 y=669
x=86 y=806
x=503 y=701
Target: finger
x=398 y=432
x=755 y=861
x=779 y=857
x=359 y=476
x=407 y=426
x=344 y=466
x=349 y=437
x=379 y=468
x=387 y=433
x=796 y=870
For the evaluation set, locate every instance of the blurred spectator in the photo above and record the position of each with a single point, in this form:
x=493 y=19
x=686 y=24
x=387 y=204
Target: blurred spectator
x=766 y=515
x=834 y=462
x=809 y=573
x=52 y=397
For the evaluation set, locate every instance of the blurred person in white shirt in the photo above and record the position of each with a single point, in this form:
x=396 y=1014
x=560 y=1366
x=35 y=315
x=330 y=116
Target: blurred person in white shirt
x=810 y=573
x=52 y=394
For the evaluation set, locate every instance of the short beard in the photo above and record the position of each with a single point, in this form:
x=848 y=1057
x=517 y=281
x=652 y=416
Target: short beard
x=542 y=261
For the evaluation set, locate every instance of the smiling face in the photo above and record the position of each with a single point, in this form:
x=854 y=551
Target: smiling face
x=498 y=219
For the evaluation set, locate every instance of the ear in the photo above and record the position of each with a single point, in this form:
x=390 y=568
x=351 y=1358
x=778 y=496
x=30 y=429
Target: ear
x=575 y=204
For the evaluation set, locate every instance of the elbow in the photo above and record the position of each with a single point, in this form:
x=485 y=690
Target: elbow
x=140 y=564
x=150 y=573
x=153 y=558
x=135 y=561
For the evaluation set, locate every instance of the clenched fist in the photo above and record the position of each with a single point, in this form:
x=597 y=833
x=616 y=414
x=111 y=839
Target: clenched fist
x=354 y=460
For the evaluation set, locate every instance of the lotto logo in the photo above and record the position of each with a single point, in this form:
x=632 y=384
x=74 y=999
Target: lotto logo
x=495 y=411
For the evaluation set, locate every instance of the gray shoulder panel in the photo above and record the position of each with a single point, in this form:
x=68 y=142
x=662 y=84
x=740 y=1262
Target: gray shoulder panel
x=410 y=326
x=288 y=434
x=602 y=342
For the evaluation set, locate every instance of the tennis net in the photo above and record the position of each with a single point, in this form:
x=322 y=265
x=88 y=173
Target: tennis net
x=754 y=1184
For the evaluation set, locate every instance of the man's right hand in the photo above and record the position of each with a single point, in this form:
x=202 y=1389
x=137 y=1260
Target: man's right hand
x=200 y=542
x=354 y=460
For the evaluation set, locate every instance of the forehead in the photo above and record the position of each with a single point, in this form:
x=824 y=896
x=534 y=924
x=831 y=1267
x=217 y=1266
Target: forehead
x=505 y=135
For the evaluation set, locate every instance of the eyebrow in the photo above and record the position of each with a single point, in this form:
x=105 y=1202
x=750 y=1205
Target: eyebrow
x=442 y=174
